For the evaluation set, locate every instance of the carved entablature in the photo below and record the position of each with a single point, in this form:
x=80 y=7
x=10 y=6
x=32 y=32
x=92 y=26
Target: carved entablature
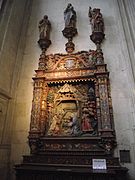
x=70 y=67
x=79 y=60
x=65 y=76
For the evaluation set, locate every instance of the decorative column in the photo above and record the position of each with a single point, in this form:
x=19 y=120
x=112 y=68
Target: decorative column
x=104 y=105
x=104 y=102
x=105 y=120
x=35 y=115
x=39 y=104
x=98 y=106
x=43 y=115
x=97 y=36
x=102 y=86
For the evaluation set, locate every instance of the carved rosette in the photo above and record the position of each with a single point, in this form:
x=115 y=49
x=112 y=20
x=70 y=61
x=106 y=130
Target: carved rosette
x=108 y=145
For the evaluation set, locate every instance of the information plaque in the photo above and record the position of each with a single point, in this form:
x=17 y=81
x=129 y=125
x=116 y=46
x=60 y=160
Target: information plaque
x=99 y=164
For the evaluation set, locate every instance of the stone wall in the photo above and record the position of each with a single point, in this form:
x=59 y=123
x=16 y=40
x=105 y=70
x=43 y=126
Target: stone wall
x=13 y=26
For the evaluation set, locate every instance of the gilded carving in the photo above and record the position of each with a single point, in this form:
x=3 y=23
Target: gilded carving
x=35 y=113
x=104 y=104
x=71 y=96
x=71 y=108
x=64 y=62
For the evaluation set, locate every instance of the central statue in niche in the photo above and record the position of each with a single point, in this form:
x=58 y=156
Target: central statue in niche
x=71 y=110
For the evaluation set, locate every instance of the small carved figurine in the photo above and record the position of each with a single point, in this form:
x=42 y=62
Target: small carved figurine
x=55 y=126
x=91 y=93
x=70 y=16
x=86 y=124
x=96 y=20
x=75 y=126
x=44 y=28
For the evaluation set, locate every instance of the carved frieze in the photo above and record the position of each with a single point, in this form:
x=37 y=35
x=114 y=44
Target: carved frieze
x=69 y=103
x=71 y=147
x=73 y=61
x=71 y=74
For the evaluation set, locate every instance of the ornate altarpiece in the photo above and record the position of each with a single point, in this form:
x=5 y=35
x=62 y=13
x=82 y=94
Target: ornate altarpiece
x=72 y=116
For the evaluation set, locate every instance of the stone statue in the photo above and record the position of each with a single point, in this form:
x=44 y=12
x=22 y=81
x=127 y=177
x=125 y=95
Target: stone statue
x=75 y=126
x=55 y=126
x=70 y=16
x=86 y=124
x=44 y=28
x=91 y=93
x=96 y=20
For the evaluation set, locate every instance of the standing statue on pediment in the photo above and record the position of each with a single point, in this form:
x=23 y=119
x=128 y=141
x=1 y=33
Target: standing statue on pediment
x=70 y=16
x=44 y=28
x=96 y=20
x=70 y=29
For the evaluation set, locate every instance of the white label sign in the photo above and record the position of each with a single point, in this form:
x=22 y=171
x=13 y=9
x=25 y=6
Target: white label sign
x=99 y=163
